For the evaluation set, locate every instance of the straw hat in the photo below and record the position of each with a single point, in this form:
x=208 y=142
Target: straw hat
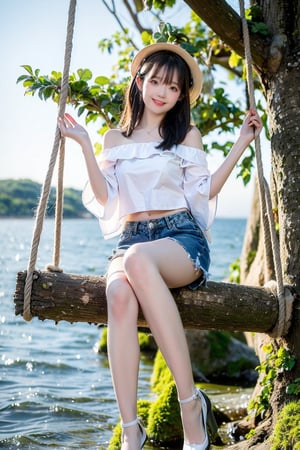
x=190 y=61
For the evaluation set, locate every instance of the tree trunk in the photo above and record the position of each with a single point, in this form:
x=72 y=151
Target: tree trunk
x=279 y=70
x=283 y=99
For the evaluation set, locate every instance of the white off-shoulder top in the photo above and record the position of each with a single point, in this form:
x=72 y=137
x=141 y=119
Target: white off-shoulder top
x=141 y=177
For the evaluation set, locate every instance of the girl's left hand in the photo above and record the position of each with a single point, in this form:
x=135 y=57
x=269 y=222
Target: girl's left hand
x=252 y=126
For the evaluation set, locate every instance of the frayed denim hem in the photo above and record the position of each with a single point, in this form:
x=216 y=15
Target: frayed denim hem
x=204 y=276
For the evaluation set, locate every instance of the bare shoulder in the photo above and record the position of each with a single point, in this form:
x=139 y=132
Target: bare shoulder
x=193 y=138
x=113 y=138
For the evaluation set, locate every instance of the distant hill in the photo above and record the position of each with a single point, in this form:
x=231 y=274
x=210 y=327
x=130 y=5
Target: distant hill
x=19 y=198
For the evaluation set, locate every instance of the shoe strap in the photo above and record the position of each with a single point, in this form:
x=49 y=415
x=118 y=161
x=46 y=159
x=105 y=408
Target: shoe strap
x=191 y=398
x=130 y=424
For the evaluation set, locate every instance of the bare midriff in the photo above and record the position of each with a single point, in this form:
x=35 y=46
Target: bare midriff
x=148 y=215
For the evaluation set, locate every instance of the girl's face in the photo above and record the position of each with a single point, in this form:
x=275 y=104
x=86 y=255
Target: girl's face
x=159 y=95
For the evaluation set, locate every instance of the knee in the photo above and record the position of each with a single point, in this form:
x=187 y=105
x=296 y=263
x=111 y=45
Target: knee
x=137 y=265
x=120 y=299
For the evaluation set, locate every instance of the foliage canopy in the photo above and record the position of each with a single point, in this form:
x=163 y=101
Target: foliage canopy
x=101 y=98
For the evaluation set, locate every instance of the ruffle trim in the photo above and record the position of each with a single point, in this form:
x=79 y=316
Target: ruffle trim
x=147 y=149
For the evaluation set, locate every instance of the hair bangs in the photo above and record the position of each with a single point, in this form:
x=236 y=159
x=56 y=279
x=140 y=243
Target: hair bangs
x=168 y=72
x=168 y=65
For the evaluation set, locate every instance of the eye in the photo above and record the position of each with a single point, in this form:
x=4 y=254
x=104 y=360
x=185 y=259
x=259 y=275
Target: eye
x=153 y=81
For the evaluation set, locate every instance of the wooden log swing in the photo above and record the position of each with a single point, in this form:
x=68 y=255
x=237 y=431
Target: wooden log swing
x=58 y=296
x=219 y=306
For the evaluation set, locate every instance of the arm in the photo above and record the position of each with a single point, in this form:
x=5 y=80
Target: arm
x=70 y=128
x=251 y=127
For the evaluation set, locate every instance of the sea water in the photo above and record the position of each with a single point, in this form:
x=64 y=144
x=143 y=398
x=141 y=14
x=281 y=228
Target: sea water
x=55 y=388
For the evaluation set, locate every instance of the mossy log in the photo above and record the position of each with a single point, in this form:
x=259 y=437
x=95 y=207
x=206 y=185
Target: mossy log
x=81 y=298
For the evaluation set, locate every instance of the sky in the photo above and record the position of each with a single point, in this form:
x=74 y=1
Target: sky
x=33 y=33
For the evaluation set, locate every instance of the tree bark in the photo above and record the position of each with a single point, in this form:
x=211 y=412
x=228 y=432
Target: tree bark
x=229 y=29
x=279 y=69
x=79 y=298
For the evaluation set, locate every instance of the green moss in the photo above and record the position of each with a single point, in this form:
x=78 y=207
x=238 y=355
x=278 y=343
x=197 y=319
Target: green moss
x=234 y=368
x=115 y=441
x=164 y=422
x=219 y=341
x=235 y=271
x=250 y=258
x=287 y=429
x=161 y=374
x=143 y=413
x=145 y=341
x=102 y=347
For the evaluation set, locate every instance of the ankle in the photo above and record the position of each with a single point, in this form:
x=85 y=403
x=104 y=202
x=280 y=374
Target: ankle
x=194 y=396
x=133 y=434
x=190 y=412
x=130 y=424
x=192 y=422
x=130 y=430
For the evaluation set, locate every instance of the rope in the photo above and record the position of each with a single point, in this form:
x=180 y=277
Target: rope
x=270 y=238
x=47 y=183
x=58 y=210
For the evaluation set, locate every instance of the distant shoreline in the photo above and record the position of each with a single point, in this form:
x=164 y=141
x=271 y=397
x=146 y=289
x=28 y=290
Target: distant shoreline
x=19 y=199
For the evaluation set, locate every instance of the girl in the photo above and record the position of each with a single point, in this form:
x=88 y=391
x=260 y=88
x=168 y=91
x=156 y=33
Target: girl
x=152 y=187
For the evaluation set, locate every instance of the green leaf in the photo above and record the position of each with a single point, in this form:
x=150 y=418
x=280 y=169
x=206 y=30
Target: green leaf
x=146 y=37
x=102 y=81
x=28 y=82
x=21 y=78
x=79 y=86
x=260 y=28
x=189 y=47
x=98 y=148
x=234 y=59
x=56 y=75
x=28 y=69
x=268 y=349
x=85 y=74
x=81 y=110
x=47 y=92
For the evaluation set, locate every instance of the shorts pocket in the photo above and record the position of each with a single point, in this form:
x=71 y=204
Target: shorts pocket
x=188 y=225
x=125 y=235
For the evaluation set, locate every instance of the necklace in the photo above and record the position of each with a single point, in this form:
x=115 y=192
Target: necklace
x=150 y=132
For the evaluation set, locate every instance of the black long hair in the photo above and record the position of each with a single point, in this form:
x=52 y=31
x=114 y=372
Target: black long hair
x=176 y=123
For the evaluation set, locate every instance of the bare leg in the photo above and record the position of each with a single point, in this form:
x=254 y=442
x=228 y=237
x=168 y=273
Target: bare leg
x=123 y=348
x=151 y=268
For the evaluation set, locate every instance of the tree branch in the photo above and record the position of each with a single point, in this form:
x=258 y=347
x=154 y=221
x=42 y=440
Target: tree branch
x=113 y=11
x=226 y=23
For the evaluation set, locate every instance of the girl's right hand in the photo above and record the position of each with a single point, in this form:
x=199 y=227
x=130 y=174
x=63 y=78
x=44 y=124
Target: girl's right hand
x=70 y=128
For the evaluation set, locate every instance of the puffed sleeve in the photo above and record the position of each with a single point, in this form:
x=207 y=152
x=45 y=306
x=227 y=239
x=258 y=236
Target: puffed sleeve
x=196 y=185
x=108 y=214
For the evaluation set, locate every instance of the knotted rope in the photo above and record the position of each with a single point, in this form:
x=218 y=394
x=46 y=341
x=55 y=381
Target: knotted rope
x=58 y=142
x=269 y=234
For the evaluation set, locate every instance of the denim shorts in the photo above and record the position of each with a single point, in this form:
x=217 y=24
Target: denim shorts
x=180 y=227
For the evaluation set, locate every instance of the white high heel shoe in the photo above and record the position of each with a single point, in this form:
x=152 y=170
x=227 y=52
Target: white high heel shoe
x=136 y=421
x=207 y=418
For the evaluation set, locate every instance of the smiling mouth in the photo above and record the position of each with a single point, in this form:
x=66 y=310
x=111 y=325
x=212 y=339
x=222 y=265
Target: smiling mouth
x=158 y=102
